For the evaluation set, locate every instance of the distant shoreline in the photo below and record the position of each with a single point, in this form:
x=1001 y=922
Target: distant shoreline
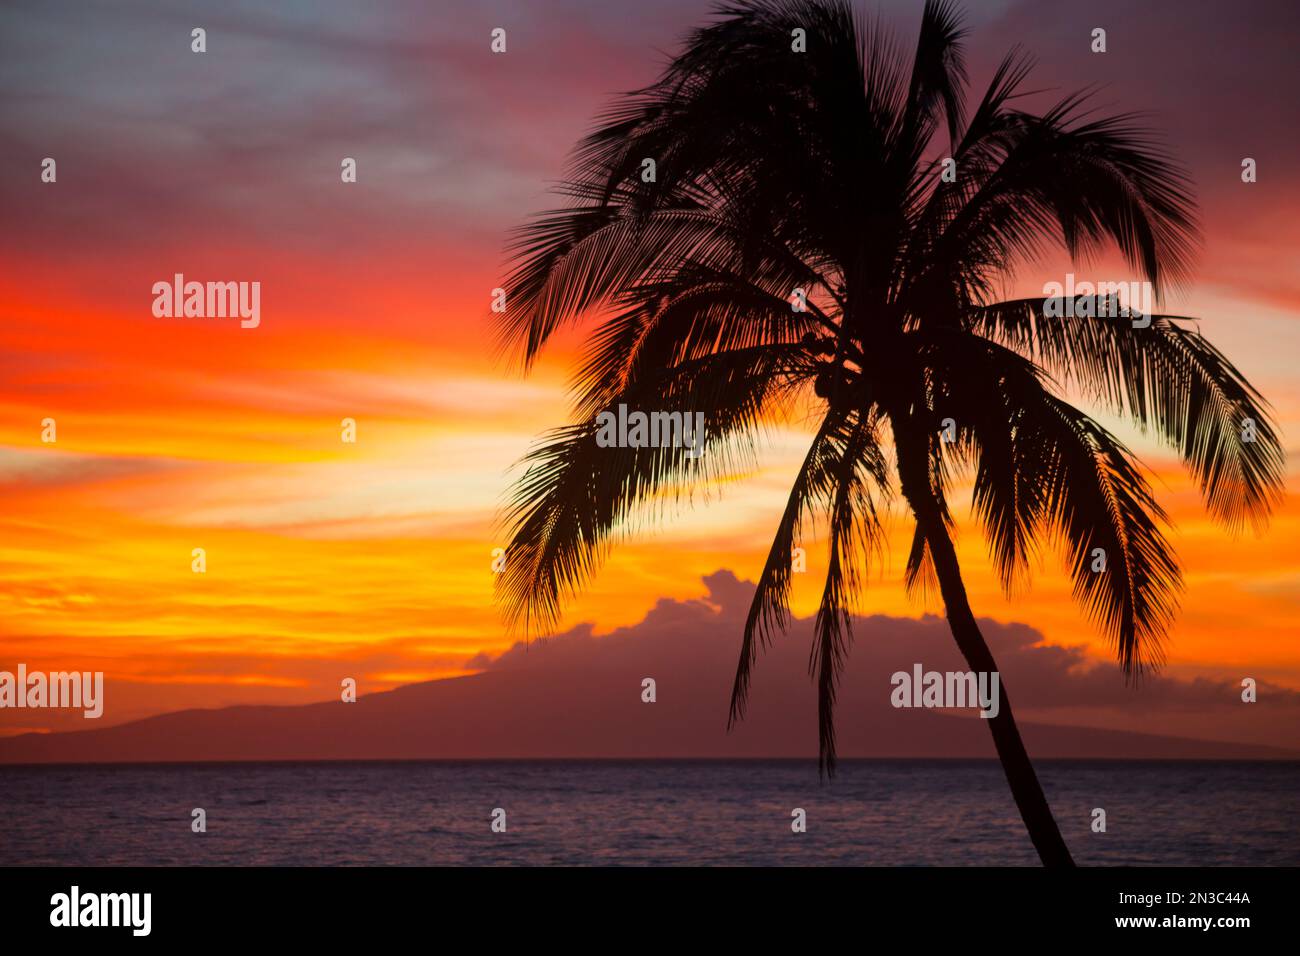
x=812 y=761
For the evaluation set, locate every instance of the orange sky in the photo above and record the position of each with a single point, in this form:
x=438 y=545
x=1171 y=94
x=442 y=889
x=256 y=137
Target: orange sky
x=372 y=560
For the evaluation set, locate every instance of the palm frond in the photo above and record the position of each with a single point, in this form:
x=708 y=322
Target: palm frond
x=855 y=532
x=1044 y=467
x=769 y=609
x=1057 y=177
x=1170 y=381
x=574 y=495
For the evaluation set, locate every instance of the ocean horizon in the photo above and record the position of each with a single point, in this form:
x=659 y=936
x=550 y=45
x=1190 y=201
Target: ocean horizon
x=696 y=812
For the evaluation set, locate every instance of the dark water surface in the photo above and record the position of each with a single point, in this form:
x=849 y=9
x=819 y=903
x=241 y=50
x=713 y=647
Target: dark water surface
x=875 y=812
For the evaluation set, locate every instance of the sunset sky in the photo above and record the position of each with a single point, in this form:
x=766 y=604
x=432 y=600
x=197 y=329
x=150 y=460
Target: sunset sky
x=372 y=560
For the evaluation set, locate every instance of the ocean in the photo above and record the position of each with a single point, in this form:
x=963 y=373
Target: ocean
x=649 y=812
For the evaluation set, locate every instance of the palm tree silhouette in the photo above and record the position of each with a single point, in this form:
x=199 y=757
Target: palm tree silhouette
x=768 y=228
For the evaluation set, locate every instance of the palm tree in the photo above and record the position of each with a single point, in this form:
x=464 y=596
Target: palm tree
x=794 y=244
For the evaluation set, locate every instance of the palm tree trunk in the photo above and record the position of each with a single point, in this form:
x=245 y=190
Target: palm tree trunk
x=1025 y=788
